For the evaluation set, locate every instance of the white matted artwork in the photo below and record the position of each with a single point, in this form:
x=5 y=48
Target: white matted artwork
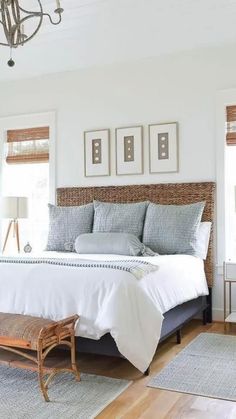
x=163 y=148
x=129 y=151
x=97 y=153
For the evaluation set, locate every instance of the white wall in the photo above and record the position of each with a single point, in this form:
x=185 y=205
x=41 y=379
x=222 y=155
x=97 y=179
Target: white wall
x=179 y=88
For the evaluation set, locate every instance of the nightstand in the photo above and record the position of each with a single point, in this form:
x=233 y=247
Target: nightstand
x=229 y=278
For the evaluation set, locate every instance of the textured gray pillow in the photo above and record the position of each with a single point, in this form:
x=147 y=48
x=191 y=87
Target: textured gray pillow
x=111 y=243
x=172 y=229
x=119 y=218
x=66 y=223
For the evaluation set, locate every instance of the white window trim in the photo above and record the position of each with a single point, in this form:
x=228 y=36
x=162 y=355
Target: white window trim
x=30 y=121
x=224 y=98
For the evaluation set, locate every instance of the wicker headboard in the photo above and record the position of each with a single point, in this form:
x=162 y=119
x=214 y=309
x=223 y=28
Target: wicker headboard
x=169 y=193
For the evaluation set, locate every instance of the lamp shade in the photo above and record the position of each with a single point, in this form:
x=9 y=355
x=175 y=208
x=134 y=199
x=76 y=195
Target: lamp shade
x=15 y=207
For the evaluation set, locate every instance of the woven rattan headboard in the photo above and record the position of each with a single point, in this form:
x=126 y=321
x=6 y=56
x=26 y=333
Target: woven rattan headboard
x=169 y=193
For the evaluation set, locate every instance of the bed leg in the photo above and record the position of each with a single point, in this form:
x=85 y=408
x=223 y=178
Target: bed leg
x=178 y=337
x=209 y=308
x=204 y=317
x=147 y=372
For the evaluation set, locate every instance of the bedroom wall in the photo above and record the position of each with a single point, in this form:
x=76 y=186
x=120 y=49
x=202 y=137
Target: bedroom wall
x=173 y=88
x=179 y=88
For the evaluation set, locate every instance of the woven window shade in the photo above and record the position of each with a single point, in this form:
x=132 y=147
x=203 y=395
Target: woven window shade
x=29 y=145
x=231 y=125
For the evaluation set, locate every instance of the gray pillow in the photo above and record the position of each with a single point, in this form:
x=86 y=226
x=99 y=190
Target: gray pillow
x=66 y=223
x=119 y=218
x=172 y=229
x=111 y=243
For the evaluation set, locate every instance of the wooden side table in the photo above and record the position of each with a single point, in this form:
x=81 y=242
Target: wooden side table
x=229 y=278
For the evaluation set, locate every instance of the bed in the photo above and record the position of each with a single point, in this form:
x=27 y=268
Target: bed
x=176 y=193
x=121 y=314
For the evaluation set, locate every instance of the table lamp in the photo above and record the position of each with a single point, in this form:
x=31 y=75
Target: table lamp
x=14 y=208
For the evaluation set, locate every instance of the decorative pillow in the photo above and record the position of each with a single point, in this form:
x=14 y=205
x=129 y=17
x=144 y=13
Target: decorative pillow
x=172 y=229
x=119 y=218
x=203 y=237
x=111 y=243
x=66 y=223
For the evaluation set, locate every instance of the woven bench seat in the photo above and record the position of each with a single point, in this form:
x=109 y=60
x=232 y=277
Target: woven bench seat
x=24 y=330
x=19 y=332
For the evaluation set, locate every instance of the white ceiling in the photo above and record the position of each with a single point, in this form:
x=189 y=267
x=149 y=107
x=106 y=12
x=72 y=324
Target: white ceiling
x=97 y=32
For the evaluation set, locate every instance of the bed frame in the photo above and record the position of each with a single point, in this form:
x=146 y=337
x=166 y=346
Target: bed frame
x=170 y=193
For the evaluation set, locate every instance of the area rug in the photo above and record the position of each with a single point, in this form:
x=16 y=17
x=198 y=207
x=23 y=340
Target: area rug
x=206 y=367
x=20 y=397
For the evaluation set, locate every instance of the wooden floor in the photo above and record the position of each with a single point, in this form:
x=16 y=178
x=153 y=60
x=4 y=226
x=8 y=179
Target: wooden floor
x=139 y=401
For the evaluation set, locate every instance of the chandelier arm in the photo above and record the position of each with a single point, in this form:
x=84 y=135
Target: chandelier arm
x=18 y=35
x=4 y=45
x=15 y=11
x=16 y=16
x=50 y=18
x=30 y=12
x=5 y=28
x=34 y=33
x=1 y=22
x=9 y=22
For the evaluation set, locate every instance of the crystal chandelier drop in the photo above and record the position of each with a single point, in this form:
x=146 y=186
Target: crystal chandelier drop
x=14 y=18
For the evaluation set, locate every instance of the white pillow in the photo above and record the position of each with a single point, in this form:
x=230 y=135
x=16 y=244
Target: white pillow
x=203 y=237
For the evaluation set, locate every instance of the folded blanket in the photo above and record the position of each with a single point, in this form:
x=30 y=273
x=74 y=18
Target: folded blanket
x=138 y=268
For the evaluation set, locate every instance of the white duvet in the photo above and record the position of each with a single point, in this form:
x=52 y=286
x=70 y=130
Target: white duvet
x=107 y=300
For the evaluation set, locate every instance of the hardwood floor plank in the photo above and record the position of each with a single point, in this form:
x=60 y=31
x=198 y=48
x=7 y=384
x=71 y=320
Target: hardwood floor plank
x=161 y=406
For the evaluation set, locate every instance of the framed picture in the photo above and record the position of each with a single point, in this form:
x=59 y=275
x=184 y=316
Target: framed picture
x=129 y=151
x=163 y=148
x=97 y=153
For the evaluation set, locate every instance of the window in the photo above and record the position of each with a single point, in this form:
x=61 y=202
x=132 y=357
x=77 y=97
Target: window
x=28 y=145
x=230 y=177
x=26 y=173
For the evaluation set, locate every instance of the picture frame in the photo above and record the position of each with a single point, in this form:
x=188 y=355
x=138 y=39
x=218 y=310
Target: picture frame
x=163 y=148
x=129 y=150
x=97 y=153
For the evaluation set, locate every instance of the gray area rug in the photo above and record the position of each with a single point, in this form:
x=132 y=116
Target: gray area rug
x=20 y=397
x=206 y=367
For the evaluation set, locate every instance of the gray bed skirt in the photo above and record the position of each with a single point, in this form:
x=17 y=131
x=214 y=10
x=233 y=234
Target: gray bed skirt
x=174 y=320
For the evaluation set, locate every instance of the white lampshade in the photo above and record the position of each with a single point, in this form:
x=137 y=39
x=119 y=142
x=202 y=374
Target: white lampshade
x=15 y=207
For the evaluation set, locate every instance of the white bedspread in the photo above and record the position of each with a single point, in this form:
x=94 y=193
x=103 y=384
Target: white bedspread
x=107 y=300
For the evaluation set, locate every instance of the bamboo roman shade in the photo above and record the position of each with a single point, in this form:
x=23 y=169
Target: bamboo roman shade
x=231 y=125
x=30 y=145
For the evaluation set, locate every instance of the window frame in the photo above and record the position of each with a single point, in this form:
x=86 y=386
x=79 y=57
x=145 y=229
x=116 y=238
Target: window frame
x=31 y=121
x=224 y=98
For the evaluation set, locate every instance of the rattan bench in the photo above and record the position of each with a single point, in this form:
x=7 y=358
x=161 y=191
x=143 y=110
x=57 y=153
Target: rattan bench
x=19 y=333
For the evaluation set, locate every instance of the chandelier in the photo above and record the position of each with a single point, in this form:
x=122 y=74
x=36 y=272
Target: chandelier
x=14 y=18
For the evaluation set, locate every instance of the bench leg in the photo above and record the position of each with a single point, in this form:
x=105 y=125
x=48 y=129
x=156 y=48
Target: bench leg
x=42 y=385
x=41 y=357
x=73 y=359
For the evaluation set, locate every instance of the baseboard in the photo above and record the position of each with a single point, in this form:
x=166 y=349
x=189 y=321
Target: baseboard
x=218 y=314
